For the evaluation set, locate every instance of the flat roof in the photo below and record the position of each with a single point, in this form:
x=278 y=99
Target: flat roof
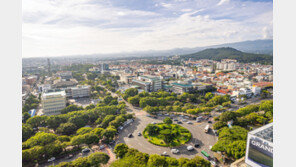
x=183 y=85
x=265 y=132
x=54 y=93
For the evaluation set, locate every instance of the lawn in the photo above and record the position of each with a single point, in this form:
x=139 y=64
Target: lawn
x=179 y=135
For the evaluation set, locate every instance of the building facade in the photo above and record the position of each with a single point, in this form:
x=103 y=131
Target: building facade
x=80 y=91
x=53 y=102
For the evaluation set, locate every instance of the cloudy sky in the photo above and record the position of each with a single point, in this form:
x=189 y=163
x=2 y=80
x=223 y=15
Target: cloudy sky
x=80 y=27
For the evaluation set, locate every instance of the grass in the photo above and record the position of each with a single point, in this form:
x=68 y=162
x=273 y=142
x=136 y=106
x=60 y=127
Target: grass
x=183 y=137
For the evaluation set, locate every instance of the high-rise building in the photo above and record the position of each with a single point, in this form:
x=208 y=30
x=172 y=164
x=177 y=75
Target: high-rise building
x=53 y=102
x=48 y=67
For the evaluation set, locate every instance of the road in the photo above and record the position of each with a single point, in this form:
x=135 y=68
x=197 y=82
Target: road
x=142 y=144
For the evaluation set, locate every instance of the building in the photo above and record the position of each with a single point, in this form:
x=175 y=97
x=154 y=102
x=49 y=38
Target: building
x=180 y=88
x=80 y=91
x=64 y=83
x=148 y=83
x=104 y=67
x=53 y=102
x=259 y=151
x=65 y=74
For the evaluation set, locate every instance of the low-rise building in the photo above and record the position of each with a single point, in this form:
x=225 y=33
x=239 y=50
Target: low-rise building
x=80 y=91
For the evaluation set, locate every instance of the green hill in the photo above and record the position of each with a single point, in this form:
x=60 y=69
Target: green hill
x=230 y=53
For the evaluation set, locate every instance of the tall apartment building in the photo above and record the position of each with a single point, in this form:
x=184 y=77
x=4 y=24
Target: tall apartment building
x=53 y=102
x=80 y=91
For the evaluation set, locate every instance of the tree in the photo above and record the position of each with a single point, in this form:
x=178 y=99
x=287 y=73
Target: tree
x=55 y=121
x=71 y=108
x=83 y=130
x=209 y=95
x=131 y=92
x=152 y=129
x=107 y=120
x=97 y=158
x=109 y=133
x=67 y=129
x=39 y=139
x=167 y=120
x=219 y=124
x=134 y=100
x=27 y=132
x=156 y=160
x=79 y=120
x=227 y=116
x=81 y=162
x=120 y=150
x=37 y=121
x=26 y=116
x=266 y=105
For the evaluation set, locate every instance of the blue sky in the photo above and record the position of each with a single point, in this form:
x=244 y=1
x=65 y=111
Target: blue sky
x=72 y=27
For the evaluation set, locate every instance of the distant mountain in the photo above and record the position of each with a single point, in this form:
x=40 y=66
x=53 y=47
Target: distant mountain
x=230 y=53
x=257 y=46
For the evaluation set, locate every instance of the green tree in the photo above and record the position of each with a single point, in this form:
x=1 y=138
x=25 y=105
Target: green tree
x=167 y=120
x=134 y=100
x=120 y=150
x=97 y=158
x=83 y=130
x=156 y=160
x=67 y=129
x=27 y=132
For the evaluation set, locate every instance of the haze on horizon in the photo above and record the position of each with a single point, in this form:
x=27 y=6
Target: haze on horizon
x=81 y=27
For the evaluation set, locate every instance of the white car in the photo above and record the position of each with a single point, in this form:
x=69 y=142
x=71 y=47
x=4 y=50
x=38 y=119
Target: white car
x=175 y=151
x=51 y=159
x=190 y=148
x=213 y=163
x=153 y=123
x=189 y=122
x=210 y=147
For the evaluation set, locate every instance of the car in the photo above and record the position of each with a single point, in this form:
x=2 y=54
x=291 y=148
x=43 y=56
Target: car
x=176 y=120
x=130 y=135
x=216 y=132
x=190 y=148
x=166 y=114
x=209 y=122
x=70 y=156
x=196 y=144
x=213 y=163
x=164 y=154
x=189 y=122
x=102 y=147
x=51 y=159
x=179 y=122
x=86 y=150
x=175 y=151
x=184 y=120
x=172 y=115
x=153 y=123
x=139 y=134
x=148 y=115
x=210 y=116
x=186 y=117
x=210 y=147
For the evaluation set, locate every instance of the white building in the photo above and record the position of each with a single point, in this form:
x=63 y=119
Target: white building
x=80 y=91
x=53 y=102
x=256 y=90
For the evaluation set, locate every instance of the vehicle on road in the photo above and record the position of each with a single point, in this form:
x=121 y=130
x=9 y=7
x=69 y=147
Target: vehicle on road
x=86 y=150
x=215 y=132
x=166 y=114
x=130 y=135
x=175 y=151
x=205 y=154
x=190 y=148
x=188 y=122
x=207 y=128
x=199 y=119
x=70 y=156
x=179 y=122
x=153 y=123
x=139 y=134
x=184 y=120
x=176 y=120
x=164 y=154
x=213 y=163
x=210 y=147
x=51 y=159
x=102 y=147
x=209 y=122
x=196 y=144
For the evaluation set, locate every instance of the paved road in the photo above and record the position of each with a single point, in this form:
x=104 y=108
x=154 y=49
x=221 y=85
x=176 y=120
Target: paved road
x=142 y=144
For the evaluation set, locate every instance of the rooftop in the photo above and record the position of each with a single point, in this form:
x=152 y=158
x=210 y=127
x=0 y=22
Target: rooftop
x=264 y=132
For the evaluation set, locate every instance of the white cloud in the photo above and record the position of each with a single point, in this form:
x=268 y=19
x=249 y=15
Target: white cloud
x=72 y=27
x=223 y=2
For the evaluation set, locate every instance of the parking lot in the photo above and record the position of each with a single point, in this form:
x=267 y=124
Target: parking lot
x=139 y=142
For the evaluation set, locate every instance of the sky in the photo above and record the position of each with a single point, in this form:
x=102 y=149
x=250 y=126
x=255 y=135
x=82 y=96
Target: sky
x=83 y=27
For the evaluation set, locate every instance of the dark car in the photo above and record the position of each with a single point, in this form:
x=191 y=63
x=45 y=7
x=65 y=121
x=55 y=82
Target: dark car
x=86 y=150
x=209 y=122
x=196 y=144
x=130 y=135
x=139 y=134
x=179 y=122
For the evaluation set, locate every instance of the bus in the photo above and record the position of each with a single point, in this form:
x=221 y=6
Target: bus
x=205 y=154
x=207 y=128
